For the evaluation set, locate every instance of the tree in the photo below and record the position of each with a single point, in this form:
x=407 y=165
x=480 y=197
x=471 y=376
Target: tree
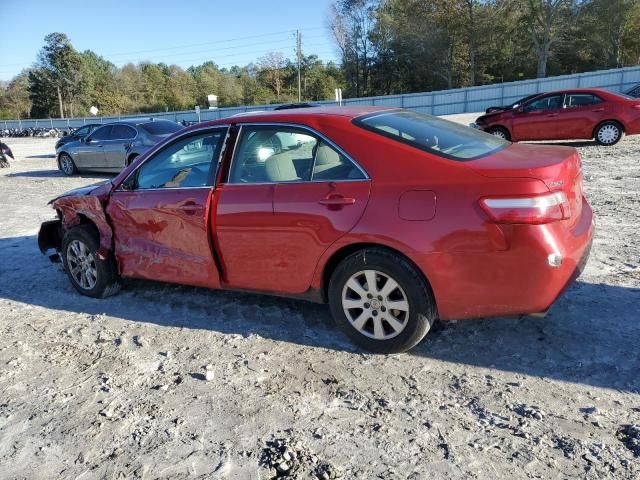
x=271 y=68
x=58 y=73
x=352 y=24
x=14 y=97
x=543 y=19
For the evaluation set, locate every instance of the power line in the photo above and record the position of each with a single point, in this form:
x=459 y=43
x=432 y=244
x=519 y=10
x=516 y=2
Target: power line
x=198 y=45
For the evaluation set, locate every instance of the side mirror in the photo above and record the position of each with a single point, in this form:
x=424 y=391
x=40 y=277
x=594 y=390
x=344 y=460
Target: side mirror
x=520 y=110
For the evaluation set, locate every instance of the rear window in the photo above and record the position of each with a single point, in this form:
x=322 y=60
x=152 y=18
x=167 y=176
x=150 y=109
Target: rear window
x=161 y=128
x=432 y=134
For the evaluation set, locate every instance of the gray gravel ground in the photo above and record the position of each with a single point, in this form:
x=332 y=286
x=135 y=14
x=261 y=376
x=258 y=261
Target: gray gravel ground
x=164 y=381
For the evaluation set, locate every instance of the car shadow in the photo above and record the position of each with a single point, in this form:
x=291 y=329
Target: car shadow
x=568 y=143
x=46 y=155
x=58 y=173
x=590 y=336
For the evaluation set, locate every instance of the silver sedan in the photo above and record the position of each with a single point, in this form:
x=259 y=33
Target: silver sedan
x=113 y=146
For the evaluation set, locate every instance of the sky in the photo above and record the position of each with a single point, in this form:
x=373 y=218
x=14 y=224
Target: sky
x=184 y=33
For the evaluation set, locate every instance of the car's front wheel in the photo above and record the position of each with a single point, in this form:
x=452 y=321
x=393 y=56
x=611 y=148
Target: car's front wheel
x=90 y=275
x=608 y=133
x=500 y=132
x=66 y=164
x=381 y=301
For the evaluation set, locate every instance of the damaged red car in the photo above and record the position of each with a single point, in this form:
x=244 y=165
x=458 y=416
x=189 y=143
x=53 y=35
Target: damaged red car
x=393 y=218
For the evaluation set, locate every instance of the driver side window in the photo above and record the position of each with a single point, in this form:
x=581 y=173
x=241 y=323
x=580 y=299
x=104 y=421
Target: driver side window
x=546 y=103
x=189 y=162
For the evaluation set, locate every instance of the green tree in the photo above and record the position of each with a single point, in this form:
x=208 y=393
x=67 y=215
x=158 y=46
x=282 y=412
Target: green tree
x=58 y=75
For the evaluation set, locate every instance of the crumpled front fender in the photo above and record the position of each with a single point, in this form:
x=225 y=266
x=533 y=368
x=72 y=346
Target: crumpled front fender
x=73 y=208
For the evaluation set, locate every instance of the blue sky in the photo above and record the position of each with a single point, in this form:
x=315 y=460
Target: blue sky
x=184 y=32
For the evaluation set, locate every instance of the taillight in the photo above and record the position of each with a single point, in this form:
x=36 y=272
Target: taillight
x=534 y=210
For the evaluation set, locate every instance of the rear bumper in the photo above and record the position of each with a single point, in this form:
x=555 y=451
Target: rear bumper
x=517 y=281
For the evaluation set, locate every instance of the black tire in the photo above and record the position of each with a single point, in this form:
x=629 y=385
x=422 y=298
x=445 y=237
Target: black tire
x=421 y=305
x=500 y=132
x=67 y=165
x=107 y=280
x=608 y=133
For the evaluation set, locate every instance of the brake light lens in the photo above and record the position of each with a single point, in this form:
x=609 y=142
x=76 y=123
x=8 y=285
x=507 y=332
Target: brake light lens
x=532 y=210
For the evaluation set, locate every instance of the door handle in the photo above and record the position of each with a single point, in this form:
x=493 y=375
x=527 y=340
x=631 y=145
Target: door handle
x=337 y=201
x=552 y=115
x=598 y=110
x=189 y=207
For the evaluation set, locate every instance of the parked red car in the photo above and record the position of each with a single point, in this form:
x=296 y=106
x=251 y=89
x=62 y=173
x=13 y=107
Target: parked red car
x=567 y=115
x=392 y=217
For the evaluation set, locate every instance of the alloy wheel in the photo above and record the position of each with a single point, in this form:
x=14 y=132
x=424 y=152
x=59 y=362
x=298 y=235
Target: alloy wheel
x=82 y=265
x=67 y=164
x=375 y=304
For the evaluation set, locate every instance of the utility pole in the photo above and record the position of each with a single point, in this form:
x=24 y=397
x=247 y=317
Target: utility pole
x=299 y=55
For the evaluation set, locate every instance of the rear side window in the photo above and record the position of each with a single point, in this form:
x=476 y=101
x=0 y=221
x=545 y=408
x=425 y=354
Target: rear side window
x=432 y=134
x=574 y=100
x=102 y=133
x=161 y=127
x=331 y=165
x=122 y=132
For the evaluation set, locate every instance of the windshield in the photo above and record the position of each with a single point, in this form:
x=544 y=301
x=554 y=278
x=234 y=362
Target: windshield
x=525 y=99
x=432 y=134
x=162 y=127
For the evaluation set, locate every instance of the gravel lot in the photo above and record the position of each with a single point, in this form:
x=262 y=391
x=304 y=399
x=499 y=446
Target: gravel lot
x=163 y=381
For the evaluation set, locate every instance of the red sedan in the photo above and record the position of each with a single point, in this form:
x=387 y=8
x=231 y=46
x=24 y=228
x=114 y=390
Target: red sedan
x=392 y=217
x=567 y=115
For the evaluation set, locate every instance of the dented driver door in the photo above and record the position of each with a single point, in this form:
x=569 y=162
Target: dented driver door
x=160 y=213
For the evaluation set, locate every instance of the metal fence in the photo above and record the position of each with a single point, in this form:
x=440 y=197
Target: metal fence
x=444 y=102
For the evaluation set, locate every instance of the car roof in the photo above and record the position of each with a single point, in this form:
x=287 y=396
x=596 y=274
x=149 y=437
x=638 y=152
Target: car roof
x=295 y=115
x=579 y=90
x=138 y=121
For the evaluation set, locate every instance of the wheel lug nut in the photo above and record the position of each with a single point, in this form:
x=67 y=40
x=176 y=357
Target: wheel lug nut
x=379 y=297
x=366 y=305
x=369 y=295
x=375 y=313
x=383 y=309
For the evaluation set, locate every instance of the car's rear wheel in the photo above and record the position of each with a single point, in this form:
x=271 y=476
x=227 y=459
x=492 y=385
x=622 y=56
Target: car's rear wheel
x=66 y=164
x=90 y=275
x=381 y=301
x=500 y=132
x=608 y=133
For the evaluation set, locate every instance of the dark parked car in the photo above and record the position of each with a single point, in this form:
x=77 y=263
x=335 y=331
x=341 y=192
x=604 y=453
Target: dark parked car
x=634 y=92
x=393 y=217
x=513 y=105
x=4 y=149
x=113 y=146
x=5 y=155
x=77 y=134
x=289 y=106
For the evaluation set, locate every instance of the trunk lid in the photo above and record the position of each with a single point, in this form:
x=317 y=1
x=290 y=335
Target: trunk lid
x=558 y=167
